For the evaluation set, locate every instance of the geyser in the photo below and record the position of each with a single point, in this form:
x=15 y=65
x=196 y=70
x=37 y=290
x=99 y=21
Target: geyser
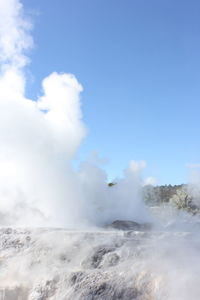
x=38 y=141
x=40 y=188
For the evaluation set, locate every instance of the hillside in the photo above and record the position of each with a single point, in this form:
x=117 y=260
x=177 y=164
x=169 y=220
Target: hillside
x=180 y=196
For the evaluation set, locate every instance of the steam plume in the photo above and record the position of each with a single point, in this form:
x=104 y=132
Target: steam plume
x=38 y=140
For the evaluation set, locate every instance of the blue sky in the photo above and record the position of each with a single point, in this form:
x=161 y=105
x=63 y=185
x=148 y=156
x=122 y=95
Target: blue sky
x=139 y=64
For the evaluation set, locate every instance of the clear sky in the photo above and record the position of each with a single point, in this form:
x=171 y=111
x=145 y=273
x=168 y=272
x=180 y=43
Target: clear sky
x=139 y=64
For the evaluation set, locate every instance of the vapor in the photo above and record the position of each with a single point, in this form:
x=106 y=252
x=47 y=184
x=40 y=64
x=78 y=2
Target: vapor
x=39 y=140
x=40 y=188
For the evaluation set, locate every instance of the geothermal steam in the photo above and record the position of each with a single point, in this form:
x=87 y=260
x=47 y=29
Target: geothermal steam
x=38 y=186
x=38 y=141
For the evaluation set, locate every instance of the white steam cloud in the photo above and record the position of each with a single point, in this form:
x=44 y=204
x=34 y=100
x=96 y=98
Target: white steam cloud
x=14 y=35
x=38 y=140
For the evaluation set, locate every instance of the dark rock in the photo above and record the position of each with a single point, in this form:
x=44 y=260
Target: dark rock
x=96 y=256
x=129 y=225
x=76 y=277
x=99 y=290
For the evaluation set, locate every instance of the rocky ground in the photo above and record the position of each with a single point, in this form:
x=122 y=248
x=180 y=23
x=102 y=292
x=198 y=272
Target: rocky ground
x=133 y=263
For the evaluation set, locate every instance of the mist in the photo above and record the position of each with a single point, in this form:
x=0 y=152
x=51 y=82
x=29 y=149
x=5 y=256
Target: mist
x=39 y=141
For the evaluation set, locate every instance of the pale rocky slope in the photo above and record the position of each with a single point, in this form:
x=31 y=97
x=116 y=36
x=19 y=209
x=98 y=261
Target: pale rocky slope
x=58 y=264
